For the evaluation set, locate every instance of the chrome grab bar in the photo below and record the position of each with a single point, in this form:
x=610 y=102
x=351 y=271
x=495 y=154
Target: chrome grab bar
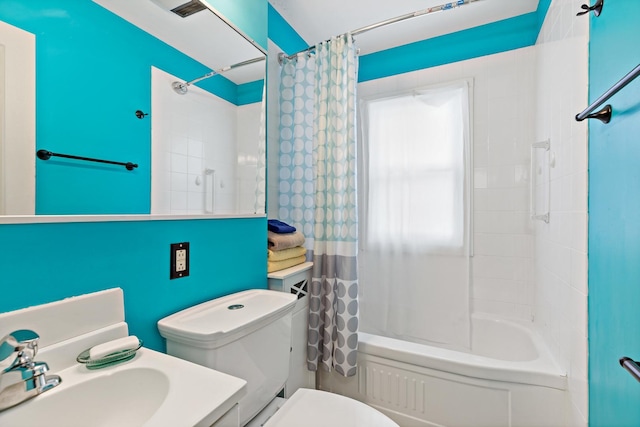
x=534 y=184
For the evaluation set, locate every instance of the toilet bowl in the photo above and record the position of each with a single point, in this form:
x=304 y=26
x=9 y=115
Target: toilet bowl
x=315 y=408
x=248 y=335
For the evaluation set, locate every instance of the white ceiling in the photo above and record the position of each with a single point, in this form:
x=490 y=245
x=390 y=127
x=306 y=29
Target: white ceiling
x=320 y=20
x=202 y=36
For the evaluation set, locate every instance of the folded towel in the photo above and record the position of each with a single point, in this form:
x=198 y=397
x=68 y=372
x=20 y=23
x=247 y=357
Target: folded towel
x=277 y=242
x=286 y=253
x=280 y=227
x=281 y=265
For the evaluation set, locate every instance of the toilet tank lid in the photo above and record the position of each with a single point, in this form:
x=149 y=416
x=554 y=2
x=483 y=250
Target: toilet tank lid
x=222 y=320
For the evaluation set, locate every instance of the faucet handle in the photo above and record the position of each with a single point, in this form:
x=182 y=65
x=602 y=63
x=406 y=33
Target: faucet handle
x=18 y=341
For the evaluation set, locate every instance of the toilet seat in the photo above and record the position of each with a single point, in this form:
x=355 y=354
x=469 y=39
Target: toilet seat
x=315 y=408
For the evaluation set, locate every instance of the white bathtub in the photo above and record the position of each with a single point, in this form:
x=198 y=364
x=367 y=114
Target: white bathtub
x=507 y=379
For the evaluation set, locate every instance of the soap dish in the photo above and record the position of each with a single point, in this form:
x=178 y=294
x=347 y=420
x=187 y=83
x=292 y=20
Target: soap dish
x=109 y=359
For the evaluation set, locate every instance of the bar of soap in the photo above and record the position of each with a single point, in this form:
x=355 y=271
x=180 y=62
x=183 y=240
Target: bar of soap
x=101 y=350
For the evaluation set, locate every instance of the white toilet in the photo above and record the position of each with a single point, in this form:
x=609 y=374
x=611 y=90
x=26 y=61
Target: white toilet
x=248 y=335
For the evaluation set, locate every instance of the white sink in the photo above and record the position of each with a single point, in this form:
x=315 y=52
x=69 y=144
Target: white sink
x=152 y=389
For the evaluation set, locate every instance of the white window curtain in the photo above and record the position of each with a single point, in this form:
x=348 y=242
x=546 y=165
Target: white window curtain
x=415 y=215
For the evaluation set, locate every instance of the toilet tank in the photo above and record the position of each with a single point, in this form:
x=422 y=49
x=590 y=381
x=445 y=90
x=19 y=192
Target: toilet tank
x=247 y=335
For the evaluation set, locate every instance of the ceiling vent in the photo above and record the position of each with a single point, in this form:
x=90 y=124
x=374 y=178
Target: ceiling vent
x=180 y=8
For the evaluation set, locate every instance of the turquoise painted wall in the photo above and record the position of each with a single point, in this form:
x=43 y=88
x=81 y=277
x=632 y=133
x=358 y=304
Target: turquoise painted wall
x=283 y=34
x=82 y=51
x=614 y=219
x=48 y=262
x=93 y=71
x=501 y=36
x=250 y=16
x=514 y=33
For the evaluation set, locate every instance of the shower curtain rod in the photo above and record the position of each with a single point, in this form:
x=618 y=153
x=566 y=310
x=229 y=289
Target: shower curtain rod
x=445 y=6
x=182 y=88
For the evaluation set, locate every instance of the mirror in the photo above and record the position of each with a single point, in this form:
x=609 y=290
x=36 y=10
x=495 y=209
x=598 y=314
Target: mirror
x=99 y=84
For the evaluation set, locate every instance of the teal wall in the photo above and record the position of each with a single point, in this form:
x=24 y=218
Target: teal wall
x=250 y=16
x=48 y=262
x=249 y=93
x=93 y=72
x=283 y=34
x=514 y=33
x=614 y=219
x=509 y=34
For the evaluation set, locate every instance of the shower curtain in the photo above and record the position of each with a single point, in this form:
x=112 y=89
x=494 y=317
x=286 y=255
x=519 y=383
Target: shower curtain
x=318 y=192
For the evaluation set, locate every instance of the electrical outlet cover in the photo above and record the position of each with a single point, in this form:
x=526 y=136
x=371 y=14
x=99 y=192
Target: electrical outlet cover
x=179 y=261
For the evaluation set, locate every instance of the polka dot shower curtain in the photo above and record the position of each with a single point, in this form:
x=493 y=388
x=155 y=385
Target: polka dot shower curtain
x=318 y=192
x=261 y=172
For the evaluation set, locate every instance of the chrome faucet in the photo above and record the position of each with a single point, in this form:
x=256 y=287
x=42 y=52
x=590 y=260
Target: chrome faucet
x=32 y=380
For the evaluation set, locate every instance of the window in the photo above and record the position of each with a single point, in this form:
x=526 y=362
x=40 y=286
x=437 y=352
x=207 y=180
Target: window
x=416 y=154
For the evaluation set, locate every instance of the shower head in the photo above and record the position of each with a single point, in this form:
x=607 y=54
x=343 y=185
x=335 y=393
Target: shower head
x=180 y=88
x=183 y=88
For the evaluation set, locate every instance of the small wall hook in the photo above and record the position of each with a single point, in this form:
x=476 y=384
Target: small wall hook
x=596 y=8
x=140 y=114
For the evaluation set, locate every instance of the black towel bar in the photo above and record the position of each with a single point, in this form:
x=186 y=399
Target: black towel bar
x=631 y=366
x=46 y=155
x=596 y=8
x=604 y=115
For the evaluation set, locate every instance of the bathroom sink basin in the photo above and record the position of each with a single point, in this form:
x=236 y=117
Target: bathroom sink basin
x=128 y=397
x=152 y=389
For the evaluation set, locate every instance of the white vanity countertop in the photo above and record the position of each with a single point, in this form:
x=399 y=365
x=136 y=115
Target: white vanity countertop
x=195 y=395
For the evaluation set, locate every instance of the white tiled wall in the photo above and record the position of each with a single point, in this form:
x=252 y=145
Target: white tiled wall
x=195 y=132
x=502 y=263
x=273 y=129
x=503 y=128
x=561 y=246
x=248 y=131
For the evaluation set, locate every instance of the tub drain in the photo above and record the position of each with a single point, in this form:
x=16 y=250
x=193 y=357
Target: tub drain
x=235 y=307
